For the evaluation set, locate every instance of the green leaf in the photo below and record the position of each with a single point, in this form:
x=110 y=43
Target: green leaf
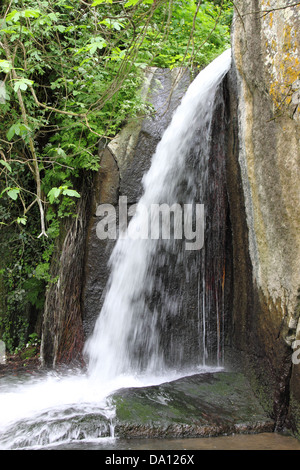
x=53 y=194
x=61 y=28
x=42 y=271
x=4 y=163
x=22 y=220
x=132 y=3
x=112 y=24
x=18 y=129
x=22 y=84
x=11 y=132
x=99 y=2
x=5 y=66
x=93 y=48
x=98 y=43
x=71 y=193
x=14 y=15
x=31 y=13
x=13 y=193
x=60 y=152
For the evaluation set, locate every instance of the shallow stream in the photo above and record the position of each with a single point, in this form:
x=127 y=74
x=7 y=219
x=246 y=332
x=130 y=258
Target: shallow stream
x=263 y=441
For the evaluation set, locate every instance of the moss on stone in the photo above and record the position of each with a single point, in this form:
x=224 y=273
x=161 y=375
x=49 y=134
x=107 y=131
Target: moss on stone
x=204 y=404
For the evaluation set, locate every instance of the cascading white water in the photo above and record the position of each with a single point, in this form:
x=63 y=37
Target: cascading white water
x=126 y=337
x=126 y=341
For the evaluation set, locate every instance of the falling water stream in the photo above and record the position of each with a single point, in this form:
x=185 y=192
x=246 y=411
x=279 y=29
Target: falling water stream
x=129 y=332
x=134 y=342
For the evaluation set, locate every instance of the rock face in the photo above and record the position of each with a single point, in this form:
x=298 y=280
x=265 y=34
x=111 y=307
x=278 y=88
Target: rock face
x=263 y=180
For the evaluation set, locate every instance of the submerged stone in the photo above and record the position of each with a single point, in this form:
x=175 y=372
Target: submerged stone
x=208 y=404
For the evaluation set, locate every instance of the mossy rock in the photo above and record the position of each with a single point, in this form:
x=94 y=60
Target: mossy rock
x=199 y=405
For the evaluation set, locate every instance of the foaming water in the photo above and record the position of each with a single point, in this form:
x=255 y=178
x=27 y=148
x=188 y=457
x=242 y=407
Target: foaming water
x=25 y=396
x=125 y=349
x=59 y=409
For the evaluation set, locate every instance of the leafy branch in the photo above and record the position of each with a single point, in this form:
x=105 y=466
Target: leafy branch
x=78 y=71
x=30 y=140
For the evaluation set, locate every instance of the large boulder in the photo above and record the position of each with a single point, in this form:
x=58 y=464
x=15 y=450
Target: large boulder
x=263 y=179
x=208 y=404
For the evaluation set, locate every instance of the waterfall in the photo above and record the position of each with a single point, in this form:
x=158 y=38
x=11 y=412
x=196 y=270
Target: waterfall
x=136 y=332
x=163 y=310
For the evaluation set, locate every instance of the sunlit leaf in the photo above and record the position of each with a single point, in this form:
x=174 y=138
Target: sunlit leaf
x=22 y=220
x=5 y=66
x=22 y=84
x=31 y=13
x=13 y=16
x=13 y=193
x=53 y=194
x=99 y=2
x=71 y=193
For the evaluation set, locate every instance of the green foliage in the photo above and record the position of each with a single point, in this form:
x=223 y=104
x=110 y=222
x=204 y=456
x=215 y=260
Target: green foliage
x=195 y=35
x=24 y=274
x=70 y=72
x=31 y=349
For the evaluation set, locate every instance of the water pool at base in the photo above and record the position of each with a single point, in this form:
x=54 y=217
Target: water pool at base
x=263 y=441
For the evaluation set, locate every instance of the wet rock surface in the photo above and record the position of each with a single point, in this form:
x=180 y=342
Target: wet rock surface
x=208 y=404
x=263 y=187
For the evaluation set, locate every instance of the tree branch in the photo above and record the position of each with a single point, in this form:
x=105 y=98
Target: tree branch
x=31 y=146
x=56 y=110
